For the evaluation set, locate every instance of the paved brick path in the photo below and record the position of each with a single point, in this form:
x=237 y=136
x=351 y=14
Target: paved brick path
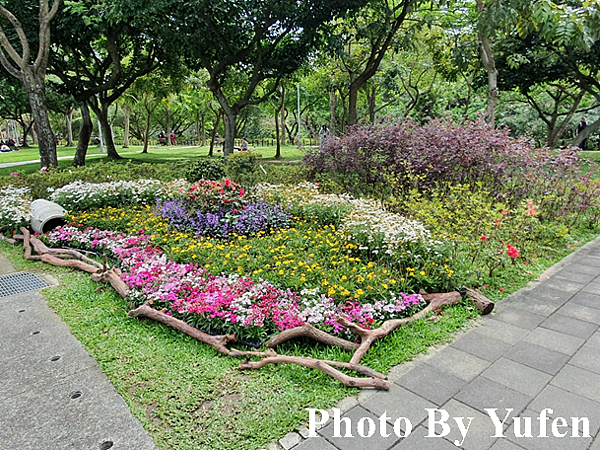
x=539 y=349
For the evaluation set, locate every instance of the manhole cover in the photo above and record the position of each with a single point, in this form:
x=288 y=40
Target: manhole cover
x=15 y=283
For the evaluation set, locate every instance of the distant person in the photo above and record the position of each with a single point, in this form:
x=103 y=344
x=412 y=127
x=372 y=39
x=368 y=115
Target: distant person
x=4 y=148
x=582 y=126
x=244 y=145
x=12 y=145
x=173 y=140
x=323 y=135
x=162 y=137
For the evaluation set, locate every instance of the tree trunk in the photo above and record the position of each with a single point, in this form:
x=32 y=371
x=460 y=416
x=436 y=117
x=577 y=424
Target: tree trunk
x=282 y=115
x=585 y=133
x=26 y=130
x=278 y=150
x=333 y=103
x=352 y=103
x=230 y=127
x=69 y=120
x=371 y=96
x=127 y=117
x=168 y=129
x=562 y=128
x=37 y=99
x=85 y=132
x=147 y=131
x=102 y=114
x=203 y=130
x=211 y=149
x=489 y=63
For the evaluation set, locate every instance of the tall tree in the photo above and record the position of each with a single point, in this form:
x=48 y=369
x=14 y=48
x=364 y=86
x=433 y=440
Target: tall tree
x=15 y=105
x=367 y=37
x=242 y=43
x=30 y=68
x=559 y=44
x=104 y=47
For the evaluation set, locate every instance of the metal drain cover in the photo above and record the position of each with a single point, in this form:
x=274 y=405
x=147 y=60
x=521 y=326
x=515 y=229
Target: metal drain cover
x=15 y=283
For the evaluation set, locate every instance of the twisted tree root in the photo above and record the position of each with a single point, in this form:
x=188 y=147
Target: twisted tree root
x=323 y=366
x=218 y=342
x=313 y=333
x=367 y=337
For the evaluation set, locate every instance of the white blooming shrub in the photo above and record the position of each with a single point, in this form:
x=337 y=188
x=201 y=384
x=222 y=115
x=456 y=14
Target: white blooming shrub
x=14 y=207
x=360 y=216
x=79 y=196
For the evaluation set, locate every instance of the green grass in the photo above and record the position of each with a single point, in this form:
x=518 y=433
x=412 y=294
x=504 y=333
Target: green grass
x=156 y=154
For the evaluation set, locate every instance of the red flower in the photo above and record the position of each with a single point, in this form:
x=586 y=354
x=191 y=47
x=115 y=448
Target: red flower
x=484 y=237
x=511 y=251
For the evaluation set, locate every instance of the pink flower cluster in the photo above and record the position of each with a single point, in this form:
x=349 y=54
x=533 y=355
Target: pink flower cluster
x=187 y=290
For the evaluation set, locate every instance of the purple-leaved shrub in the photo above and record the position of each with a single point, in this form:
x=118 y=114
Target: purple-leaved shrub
x=393 y=158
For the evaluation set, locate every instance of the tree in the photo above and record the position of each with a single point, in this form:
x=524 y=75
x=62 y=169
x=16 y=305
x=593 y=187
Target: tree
x=566 y=38
x=65 y=106
x=103 y=48
x=366 y=38
x=541 y=75
x=197 y=98
x=15 y=105
x=30 y=69
x=148 y=92
x=242 y=43
x=489 y=63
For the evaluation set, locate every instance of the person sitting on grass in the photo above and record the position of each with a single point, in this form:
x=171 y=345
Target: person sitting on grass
x=12 y=145
x=244 y=145
x=4 y=147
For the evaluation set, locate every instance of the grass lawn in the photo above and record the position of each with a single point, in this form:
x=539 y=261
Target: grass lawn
x=157 y=154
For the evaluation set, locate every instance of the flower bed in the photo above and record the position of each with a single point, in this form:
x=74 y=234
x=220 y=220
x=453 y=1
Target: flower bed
x=231 y=303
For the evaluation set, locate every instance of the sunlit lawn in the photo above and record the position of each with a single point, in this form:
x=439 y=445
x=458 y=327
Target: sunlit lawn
x=156 y=154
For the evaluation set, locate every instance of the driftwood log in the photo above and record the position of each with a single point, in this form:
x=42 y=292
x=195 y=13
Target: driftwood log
x=484 y=304
x=220 y=343
x=311 y=332
x=102 y=273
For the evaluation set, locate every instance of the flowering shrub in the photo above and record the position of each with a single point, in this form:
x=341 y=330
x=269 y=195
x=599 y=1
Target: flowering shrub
x=232 y=303
x=214 y=196
x=251 y=219
x=42 y=184
x=440 y=150
x=78 y=196
x=14 y=208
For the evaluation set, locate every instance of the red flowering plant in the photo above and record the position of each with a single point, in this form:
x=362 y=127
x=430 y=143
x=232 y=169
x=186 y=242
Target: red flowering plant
x=215 y=196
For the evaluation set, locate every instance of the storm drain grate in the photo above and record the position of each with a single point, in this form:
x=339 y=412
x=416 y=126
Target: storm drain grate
x=15 y=283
